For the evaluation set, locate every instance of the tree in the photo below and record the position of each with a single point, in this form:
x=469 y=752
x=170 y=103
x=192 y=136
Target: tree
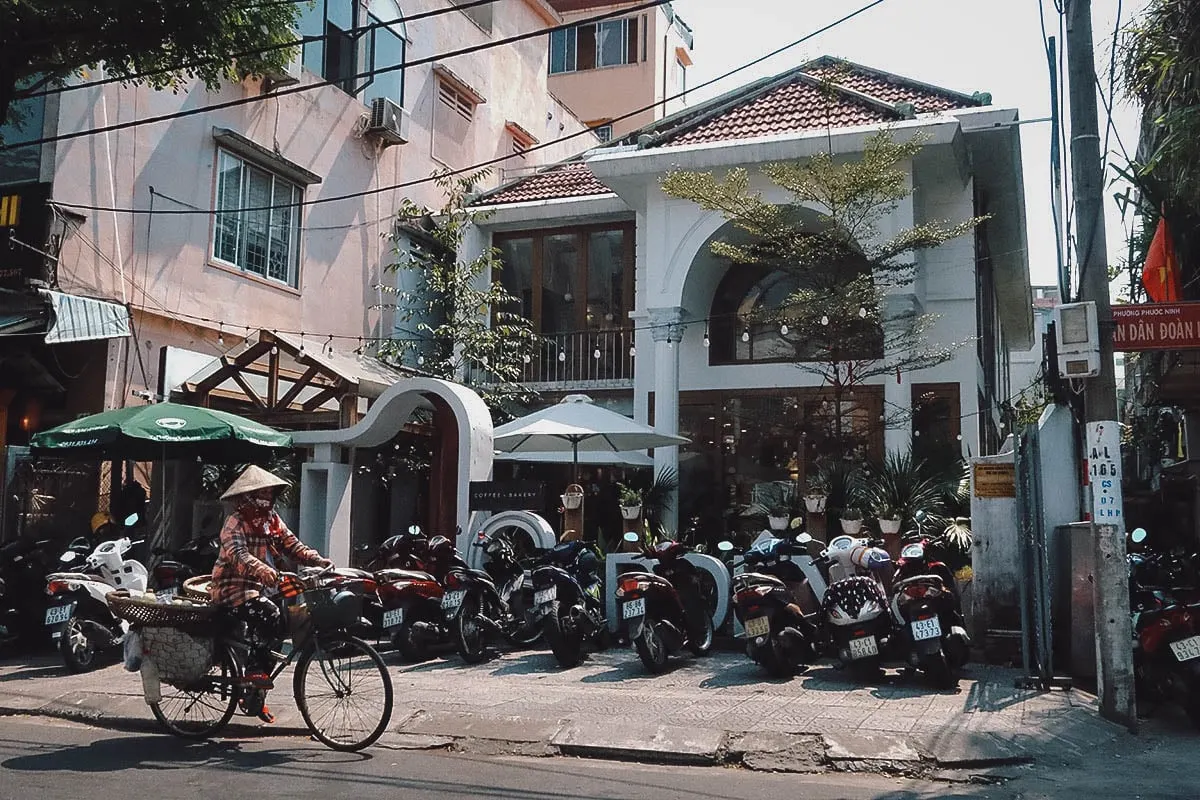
x=159 y=43
x=840 y=320
x=461 y=322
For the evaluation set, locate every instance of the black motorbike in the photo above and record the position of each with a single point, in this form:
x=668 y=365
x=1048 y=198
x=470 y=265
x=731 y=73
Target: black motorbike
x=24 y=565
x=664 y=611
x=567 y=598
x=491 y=602
x=779 y=636
x=195 y=557
x=928 y=612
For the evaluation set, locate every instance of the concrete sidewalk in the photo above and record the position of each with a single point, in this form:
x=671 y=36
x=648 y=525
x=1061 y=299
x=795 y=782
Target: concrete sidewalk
x=719 y=709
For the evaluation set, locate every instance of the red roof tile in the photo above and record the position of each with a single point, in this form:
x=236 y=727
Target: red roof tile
x=888 y=89
x=573 y=179
x=794 y=106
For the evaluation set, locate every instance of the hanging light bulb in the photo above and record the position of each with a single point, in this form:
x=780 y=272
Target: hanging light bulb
x=562 y=356
x=783 y=329
x=526 y=358
x=746 y=335
x=301 y=342
x=862 y=312
x=328 y=349
x=220 y=336
x=274 y=349
x=705 y=341
x=596 y=353
x=632 y=351
x=824 y=319
x=420 y=361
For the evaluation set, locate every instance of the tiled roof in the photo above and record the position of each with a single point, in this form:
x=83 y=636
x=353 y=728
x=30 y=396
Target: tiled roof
x=573 y=179
x=788 y=103
x=795 y=106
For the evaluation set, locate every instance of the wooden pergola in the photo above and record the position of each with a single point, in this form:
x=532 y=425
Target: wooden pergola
x=287 y=382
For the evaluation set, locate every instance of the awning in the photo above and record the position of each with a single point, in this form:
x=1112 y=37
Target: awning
x=79 y=319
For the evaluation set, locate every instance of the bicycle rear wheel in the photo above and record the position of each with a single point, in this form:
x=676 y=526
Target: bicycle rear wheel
x=344 y=692
x=203 y=708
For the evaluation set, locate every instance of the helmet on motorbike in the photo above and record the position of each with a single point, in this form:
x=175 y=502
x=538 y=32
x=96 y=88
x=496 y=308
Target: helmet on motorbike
x=99 y=520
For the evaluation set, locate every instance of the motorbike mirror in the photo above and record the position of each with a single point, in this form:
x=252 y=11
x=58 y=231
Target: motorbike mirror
x=725 y=546
x=1138 y=535
x=920 y=516
x=630 y=536
x=804 y=538
x=415 y=530
x=131 y=520
x=68 y=557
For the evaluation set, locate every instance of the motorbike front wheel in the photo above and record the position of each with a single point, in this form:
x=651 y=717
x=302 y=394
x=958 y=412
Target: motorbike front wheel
x=937 y=669
x=413 y=648
x=566 y=643
x=468 y=630
x=773 y=660
x=650 y=648
x=77 y=646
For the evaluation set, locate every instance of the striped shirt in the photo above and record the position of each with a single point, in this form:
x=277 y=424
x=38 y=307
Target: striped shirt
x=247 y=552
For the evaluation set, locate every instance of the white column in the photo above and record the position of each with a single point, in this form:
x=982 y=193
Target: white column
x=325 y=501
x=667 y=329
x=897 y=395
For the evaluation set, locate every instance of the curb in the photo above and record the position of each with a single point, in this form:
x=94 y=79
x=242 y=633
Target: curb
x=72 y=712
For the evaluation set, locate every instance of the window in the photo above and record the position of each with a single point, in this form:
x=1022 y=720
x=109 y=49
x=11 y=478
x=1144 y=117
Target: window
x=263 y=242
x=936 y=421
x=453 y=134
x=680 y=77
x=604 y=132
x=348 y=48
x=602 y=44
x=480 y=15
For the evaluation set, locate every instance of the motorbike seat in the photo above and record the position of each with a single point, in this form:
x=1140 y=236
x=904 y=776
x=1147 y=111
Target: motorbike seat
x=351 y=572
x=480 y=574
x=392 y=575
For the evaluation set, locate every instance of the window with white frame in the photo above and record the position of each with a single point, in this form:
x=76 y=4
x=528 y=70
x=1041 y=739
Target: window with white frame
x=258 y=221
x=600 y=44
x=604 y=132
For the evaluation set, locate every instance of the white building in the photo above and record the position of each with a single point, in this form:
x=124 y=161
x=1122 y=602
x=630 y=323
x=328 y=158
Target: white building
x=621 y=279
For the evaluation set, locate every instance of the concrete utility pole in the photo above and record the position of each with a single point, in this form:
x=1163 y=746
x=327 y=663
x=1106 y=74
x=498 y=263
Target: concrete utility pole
x=1114 y=654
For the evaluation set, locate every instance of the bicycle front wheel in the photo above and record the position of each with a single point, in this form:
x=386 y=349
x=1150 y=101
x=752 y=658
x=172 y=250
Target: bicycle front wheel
x=344 y=692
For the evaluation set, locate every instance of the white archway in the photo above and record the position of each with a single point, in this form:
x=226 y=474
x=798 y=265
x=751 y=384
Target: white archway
x=325 y=488
x=534 y=525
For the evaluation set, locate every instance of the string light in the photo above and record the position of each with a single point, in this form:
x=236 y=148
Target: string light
x=527 y=358
x=328 y=348
x=596 y=354
x=783 y=329
x=562 y=356
x=746 y=335
x=824 y=320
x=301 y=342
x=220 y=335
x=359 y=350
x=632 y=351
x=705 y=341
x=420 y=361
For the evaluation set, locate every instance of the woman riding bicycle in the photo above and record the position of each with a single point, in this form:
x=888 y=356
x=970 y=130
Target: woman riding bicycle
x=251 y=539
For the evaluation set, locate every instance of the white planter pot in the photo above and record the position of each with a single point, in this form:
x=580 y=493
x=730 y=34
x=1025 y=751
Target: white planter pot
x=571 y=501
x=889 y=526
x=631 y=512
x=851 y=527
x=815 y=503
x=778 y=523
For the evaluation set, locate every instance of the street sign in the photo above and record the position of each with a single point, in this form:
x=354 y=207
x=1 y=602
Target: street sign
x=995 y=480
x=1156 y=326
x=1104 y=473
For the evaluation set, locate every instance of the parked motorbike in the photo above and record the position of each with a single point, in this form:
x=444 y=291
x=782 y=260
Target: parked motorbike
x=195 y=557
x=77 y=613
x=855 y=622
x=779 y=636
x=413 y=617
x=23 y=567
x=487 y=603
x=567 y=599
x=1166 y=646
x=664 y=611
x=927 y=611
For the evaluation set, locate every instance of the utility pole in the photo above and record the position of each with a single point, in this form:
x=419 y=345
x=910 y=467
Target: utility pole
x=1114 y=653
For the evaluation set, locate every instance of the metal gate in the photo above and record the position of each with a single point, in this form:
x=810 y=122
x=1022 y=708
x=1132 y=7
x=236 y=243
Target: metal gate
x=1036 y=632
x=48 y=498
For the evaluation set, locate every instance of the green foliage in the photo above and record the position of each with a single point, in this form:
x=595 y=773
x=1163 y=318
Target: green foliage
x=846 y=261
x=44 y=43
x=656 y=493
x=461 y=318
x=629 y=496
x=845 y=483
x=902 y=484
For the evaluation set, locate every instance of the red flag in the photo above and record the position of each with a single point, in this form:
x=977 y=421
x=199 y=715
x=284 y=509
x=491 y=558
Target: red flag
x=1160 y=275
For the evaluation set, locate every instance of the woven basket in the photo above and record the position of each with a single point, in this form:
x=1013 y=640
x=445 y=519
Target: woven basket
x=148 y=613
x=181 y=658
x=197 y=588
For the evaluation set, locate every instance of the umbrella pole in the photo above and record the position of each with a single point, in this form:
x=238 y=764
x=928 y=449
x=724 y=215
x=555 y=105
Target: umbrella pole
x=575 y=461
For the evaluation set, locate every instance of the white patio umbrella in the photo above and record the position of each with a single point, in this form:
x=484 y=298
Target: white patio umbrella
x=578 y=425
x=632 y=458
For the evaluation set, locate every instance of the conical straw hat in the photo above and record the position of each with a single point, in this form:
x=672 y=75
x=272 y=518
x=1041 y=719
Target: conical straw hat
x=251 y=480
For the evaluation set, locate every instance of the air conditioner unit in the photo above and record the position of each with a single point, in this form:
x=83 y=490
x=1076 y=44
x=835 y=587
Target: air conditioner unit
x=290 y=74
x=389 y=122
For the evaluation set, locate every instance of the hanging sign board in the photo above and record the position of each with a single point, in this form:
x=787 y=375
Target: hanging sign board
x=1104 y=473
x=995 y=480
x=1156 y=326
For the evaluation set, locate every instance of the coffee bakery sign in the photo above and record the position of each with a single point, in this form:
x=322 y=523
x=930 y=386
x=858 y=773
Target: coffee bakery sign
x=1158 y=326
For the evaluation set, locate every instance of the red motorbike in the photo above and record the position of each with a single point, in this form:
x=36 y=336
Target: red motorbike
x=408 y=573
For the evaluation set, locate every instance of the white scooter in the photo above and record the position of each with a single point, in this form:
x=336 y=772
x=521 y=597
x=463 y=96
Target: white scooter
x=77 y=612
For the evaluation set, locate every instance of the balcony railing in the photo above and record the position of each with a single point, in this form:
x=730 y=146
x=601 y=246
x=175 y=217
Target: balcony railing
x=593 y=357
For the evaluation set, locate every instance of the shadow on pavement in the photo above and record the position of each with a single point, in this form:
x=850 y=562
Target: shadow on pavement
x=529 y=664
x=633 y=669
x=153 y=752
x=987 y=696
x=742 y=673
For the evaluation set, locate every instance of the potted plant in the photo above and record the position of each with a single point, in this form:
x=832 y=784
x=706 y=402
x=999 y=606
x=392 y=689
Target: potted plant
x=889 y=520
x=778 y=516
x=631 y=499
x=816 y=494
x=852 y=521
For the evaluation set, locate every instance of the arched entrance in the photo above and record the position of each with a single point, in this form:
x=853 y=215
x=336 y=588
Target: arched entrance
x=463 y=453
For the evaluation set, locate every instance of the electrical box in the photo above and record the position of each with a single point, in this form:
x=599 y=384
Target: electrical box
x=1078 y=335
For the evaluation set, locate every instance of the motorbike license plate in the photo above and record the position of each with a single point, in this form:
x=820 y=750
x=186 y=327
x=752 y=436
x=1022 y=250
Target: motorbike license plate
x=863 y=647
x=393 y=618
x=634 y=608
x=59 y=614
x=545 y=596
x=452 y=600
x=759 y=626
x=923 y=629
x=1186 y=649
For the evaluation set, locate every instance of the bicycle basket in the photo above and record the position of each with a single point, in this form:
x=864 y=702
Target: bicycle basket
x=181 y=658
x=331 y=608
x=197 y=588
x=147 y=612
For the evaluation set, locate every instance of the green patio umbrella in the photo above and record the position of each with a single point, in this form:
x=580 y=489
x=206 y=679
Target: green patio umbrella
x=161 y=431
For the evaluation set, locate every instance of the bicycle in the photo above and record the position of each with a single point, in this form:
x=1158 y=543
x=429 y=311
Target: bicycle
x=323 y=650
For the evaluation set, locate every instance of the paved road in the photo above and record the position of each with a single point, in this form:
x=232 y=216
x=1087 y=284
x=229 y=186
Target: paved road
x=45 y=758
